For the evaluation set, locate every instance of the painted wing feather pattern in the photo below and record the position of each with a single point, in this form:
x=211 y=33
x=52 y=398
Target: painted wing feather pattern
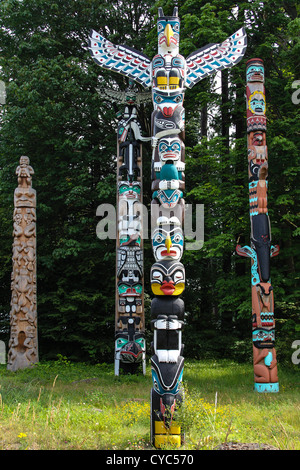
x=121 y=59
x=206 y=61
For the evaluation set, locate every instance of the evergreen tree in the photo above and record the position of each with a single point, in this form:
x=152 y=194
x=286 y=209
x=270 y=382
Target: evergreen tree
x=54 y=115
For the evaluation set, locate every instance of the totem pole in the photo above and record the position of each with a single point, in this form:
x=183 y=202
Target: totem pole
x=169 y=74
x=130 y=345
x=167 y=218
x=260 y=249
x=23 y=343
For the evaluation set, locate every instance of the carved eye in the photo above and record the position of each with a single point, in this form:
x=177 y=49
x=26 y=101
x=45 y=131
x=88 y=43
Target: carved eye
x=177 y=238
x=158 y=238
x=122 y=289
x=178 y=99
x=158 y=99
x=159 y=27
x=175 y=27
x=163 y=147
x=157 y=276
x=138 y=289
x=155 y=385
x=178 y=276
x=123 y=188
x=176 y=147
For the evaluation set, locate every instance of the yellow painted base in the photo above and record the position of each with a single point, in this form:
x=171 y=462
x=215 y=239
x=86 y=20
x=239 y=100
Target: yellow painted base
x=166 y=436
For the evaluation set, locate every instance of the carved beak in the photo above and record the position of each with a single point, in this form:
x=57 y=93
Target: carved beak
x=168 y=33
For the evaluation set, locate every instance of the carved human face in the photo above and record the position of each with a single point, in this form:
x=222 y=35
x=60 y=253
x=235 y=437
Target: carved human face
x=129 y=289
x=255 y=72
x=169 y=149
x=129 y=190
x=257 y=103
x=167 y=240
x=24 y=161
x=167 y=278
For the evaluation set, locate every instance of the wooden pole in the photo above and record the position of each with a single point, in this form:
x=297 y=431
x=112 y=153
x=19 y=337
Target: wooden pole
x=260 y=250
x=23 y=343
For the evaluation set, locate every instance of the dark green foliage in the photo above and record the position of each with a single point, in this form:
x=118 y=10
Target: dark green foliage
x=55 y=116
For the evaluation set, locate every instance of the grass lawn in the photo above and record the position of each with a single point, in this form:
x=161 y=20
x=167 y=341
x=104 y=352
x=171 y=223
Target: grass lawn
x=68 y=406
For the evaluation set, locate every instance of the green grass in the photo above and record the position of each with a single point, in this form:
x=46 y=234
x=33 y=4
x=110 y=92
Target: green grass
x=68 y=406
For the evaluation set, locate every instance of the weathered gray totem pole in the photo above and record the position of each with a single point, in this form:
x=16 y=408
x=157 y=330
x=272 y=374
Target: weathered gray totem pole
x=130 y=345
x=23 y=343
x=168 y=74
x=260 y=250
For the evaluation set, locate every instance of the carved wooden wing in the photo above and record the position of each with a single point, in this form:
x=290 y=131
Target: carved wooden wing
x=214 y=57
x=121 y=59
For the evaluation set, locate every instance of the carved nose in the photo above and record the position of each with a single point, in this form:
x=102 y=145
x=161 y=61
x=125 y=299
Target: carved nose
x=168 y=243
x=168 y=111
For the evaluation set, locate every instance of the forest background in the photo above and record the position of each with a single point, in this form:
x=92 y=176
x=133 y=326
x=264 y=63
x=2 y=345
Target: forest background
x=55 y=116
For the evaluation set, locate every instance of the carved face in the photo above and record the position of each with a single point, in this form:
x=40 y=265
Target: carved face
x=257 y=103
x=255 y=71
x=129 y=289
x=168 y=72
x=168 y=34
x=175 y=124
x=257 y=139
x=263 y=338
x=129 y=190
x=131 y=351
x=164 y=391
x=169 y=198
x=167 y=239
x=167 y=278
x=167 y=101
x=24 y=161
x=169 y=149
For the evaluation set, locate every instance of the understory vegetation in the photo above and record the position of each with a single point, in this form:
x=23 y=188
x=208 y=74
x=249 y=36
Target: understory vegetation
x=55 y=115
x=61 y=405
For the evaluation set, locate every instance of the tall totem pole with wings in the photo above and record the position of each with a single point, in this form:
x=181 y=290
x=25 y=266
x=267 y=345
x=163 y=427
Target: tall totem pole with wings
x=168 y=74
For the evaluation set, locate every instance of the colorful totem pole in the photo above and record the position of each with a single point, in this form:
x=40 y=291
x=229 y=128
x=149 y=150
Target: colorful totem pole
x=169 y=74
x=130 y=345
x=23 y=343
x=167 y=221
x=260 y=250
